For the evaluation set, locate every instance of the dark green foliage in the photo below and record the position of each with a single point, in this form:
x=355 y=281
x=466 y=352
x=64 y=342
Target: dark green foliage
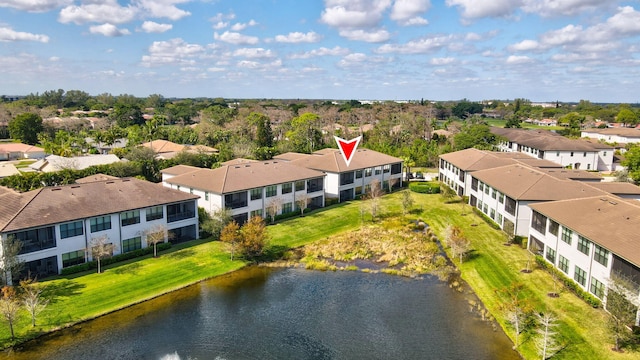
x=569 y=283
x=486 y=219
x=127 y=114
x=26 y=127
x=465 y=108
x=92 y=265
x=430 y=187
x=475 y=135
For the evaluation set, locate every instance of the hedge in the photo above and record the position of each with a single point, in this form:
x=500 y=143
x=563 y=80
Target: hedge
x=430 y=187
x=91 y=265
x=486 y=219
x=569 y=283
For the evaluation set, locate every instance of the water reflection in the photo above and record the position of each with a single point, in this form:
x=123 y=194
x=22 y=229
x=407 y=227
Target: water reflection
x=264 y=313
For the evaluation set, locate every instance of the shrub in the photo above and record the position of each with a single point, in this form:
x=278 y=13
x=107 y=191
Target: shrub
x=486 y=219
x=425 y=187
x=569 y=283
x=91 y=265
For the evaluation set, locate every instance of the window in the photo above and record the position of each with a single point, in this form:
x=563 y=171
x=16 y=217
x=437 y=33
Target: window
x=580 y=276
x=571 y=153
x=481 y=187
x=256 y=194
x=206 y=196
x=501 y=198
x=604 y=153
x=494 y=193
x=553 y=229
x=597 y=287
x=358 y=190
x=539 y=222
x=190 y=191
x=474 y=184
x=346 y=178
x=287 y=208
x=601 y=255
x=551 y=255
x=271 y=190
x=36 y=239
x=300 y=185
x=233 y=201
x=396 y=169
x=130 y=217
x=499 y=219
x=73 y=258
x=314 y=185
x=100 y=223
x=485 y=208
x=386 y=168
x=255 y=213
x=183 y=210
x=71 y=229
x=583 y=245
x=584 y=154
x=155 y=213
x=557 y=153
x=480 y=204
x=131 y=244
x=367 y=172
x=566 y=235
x=563 y=264
x=510 y=206
x=486 y=189
x=359 y=174
x=287 y=188
x=378 y=170
x=493 y=214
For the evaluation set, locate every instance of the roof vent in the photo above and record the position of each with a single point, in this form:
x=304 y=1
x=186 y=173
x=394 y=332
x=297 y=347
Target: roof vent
x=75 y=186
x=109 y=182
x=125 y=180
x=56 y=189
x=237 y=167
x=613 y=203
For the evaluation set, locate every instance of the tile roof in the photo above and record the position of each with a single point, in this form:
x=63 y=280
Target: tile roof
x=179 y=169
x=58 y=204
x=618 y=188
x=474 y=159
x=606 y=220
x=525 y=183
x=332 y=161
x=94 y=178
x=543 y=140
x=163 y=146
x=19 y=147
x=238 y=161
x=232 y=178
x=8 y=170
x=572 y=174
x=290 y=156
x=55 y=162
x=626 y=132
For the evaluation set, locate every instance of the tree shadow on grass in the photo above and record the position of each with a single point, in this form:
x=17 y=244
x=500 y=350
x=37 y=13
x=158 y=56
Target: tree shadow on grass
x=274 y=252
x=61 y=288
x=127 y=269
x=184 y=253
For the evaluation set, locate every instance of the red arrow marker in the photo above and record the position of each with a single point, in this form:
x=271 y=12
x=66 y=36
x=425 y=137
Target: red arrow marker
x=348 y=148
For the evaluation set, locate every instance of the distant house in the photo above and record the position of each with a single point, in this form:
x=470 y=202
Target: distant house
x=613 y=135
x=56 y=224
x=249 y=189
x=56 y=163
x=104 y=148
x=17 y=151
x=543 y=144
x=166 y=149
x=8 y=170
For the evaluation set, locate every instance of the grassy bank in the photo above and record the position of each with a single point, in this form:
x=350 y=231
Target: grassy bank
x=491 y=267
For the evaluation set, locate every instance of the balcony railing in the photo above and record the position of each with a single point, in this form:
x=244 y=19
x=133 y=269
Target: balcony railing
x=180 y=216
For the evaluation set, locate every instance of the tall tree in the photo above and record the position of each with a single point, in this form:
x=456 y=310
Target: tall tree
x=632 y=163
x=273 y=207
x=407 y=201
x=12 y=264
x=127 y=114
x=264 y=134
x=254 y=237
x=475 y=135
x=155 y=235
x=10 y=307
x=622 y=311
x=231 y=235
x=33 y=299
x=627 y=116
x=373 y=195
x=26 y=127
x=548 y=341
x=302 y=202
x=101 y=248
x=305 y=134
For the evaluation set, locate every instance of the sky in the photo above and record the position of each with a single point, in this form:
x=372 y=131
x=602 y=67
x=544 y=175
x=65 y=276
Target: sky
x=541 y=50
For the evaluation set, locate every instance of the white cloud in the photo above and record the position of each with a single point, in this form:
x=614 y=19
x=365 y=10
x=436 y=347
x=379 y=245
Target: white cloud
x=236 y=38
x=564 y=7
x=420 y=46
x=354 y=13
x=7 y=34
x=222 y=17
x=54 y=59
x=220 y=25
x=154 y=27
x=109 y=30
x=242 y=26
x=626 y=21
x=254 y=53
x=255 y=65
x=107 y=12
x=442 y=61
x=163 y=8
x=406 y=11
x=474 y=9
x=352 y=59
x=172 y=52
x=525 y=45
x=323 y=51
x=215 y=69
x=298 y=37
x=518 y=60
x=373 y=36
x=35 y=5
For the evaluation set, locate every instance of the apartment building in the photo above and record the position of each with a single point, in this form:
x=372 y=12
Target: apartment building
x=56 y=225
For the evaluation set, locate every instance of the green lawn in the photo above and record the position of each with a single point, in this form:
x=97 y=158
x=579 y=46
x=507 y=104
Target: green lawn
x=493 y=266
x=501 y=123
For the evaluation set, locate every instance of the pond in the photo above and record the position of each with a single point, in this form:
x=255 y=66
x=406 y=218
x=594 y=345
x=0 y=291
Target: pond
x=266 y=313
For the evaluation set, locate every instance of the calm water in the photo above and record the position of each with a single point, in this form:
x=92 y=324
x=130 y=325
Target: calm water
x=262 y=313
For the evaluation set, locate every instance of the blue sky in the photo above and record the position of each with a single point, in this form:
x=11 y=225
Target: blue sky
x=542 y=50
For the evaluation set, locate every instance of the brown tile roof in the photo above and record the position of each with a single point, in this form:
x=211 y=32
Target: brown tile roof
x=94 y=178
x=572 y=174
x=163 y=146
x=8 y=170
x=474 y=159
x=290 y=156
x=332 y=161
x=543 y=140
x=525 y=183
x=238 y=161
x=19 y=147
x=179 y=169
x=606 y=220
x=52 y=205
x=626 y=132
x=232 y=178
x=618 y=188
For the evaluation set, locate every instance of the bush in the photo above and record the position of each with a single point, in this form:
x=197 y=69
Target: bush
x=486 y=219
x=569 y=283
x=330 y=201
x=92 y=265
x=425 y=187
